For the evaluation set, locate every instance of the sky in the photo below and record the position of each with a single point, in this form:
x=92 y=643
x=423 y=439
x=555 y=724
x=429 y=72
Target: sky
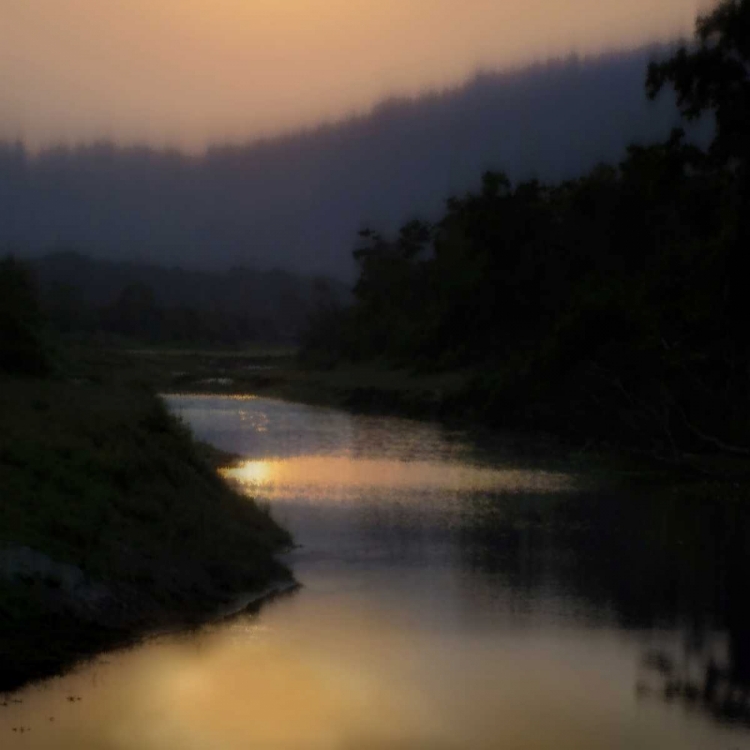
x=189 y=73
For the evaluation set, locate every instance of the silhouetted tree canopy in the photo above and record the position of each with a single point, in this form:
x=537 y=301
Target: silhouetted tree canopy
x=612 y=305
x=714 y=77
x=146 y=303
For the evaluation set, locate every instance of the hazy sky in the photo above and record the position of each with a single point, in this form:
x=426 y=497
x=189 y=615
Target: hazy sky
x=189 y=72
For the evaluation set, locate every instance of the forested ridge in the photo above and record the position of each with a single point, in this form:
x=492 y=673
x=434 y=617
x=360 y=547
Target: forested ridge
x=151 y=304
x=612 y=306
x=294 y=201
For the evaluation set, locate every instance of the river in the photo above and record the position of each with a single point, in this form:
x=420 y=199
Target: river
x=457 y=591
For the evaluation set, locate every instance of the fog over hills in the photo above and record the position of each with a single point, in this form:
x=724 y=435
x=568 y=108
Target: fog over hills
x=154 y=304
x=296 y=201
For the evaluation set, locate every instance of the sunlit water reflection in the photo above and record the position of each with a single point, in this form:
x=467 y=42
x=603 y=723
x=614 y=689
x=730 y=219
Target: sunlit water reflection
x=455 y=595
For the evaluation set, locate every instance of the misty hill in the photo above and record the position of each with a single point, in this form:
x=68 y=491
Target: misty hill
x=296 y=201
x=158 y=304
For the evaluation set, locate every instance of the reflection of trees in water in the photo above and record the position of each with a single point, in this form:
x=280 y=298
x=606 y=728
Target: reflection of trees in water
x=699 y=678
x=653 y=557
x=716 y=679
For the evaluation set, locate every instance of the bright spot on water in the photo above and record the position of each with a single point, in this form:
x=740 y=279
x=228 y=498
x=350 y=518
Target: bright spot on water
x=341 y=475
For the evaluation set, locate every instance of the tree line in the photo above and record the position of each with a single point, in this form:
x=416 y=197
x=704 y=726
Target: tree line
x=295 y=200
x=136 y=302
x=612 y=305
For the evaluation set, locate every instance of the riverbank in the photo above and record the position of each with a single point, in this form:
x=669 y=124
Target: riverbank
x=277 y=373
x=458 y=398
x=113 y=524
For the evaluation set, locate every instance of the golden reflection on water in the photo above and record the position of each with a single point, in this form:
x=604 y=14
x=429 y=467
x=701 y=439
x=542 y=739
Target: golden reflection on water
x=343 y=474
x=317 y=674
x=410 y=649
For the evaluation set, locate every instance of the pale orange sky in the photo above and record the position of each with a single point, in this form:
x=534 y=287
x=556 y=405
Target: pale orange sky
x=189 y=72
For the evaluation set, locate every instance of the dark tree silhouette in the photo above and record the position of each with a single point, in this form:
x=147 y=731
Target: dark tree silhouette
x=611 y=306
x=21 y=348
x=713 y=78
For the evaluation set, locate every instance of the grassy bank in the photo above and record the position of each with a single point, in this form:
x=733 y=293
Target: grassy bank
x=113 y=523
x=278 y=373
x=460 y=397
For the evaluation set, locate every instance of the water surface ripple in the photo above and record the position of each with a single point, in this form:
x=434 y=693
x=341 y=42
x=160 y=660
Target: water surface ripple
x=456 y=593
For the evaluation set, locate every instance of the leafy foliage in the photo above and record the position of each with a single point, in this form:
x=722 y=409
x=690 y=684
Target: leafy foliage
x=612 y=305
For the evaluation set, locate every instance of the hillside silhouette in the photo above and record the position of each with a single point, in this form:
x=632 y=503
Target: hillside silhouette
x=155 y=304
x=296 y=201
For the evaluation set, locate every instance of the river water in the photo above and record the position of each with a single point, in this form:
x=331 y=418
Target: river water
x=457 y=592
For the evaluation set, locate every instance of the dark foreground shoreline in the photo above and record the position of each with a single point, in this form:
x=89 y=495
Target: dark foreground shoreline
x=114 y=525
